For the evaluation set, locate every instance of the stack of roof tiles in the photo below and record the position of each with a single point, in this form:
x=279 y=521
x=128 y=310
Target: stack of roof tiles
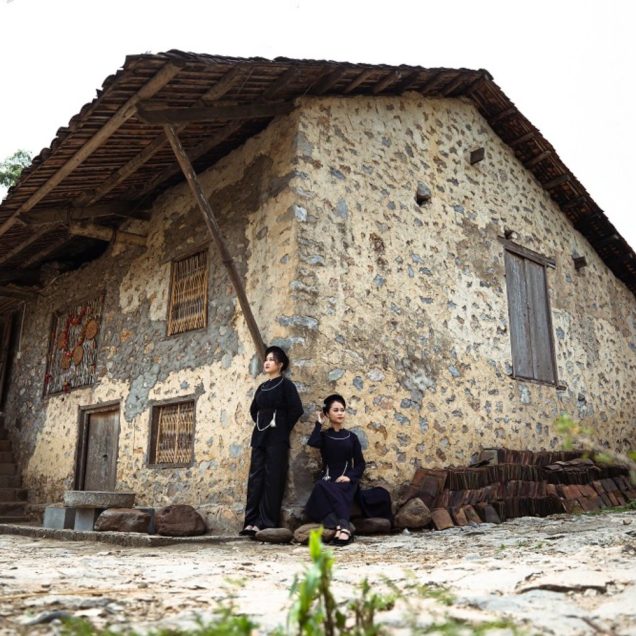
x=521 y=483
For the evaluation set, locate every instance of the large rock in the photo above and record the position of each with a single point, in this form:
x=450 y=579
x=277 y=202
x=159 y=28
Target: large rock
x=442 y=519
x=179 y=520
x=373 y=525
x=413 y=514
x=123 y=520
x=301 y=534
x=274 y=535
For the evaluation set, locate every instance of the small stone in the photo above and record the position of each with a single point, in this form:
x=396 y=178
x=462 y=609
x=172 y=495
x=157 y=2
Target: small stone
x=274 y=535
x=423 y=194
x=414 y=514
x=373 y=525
x=123 y=520
x=301 y=534
x=335 y=374
x=179 y=520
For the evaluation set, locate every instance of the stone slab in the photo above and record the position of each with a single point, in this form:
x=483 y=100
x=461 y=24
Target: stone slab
x=98 y=499
x=59 y=517
x=85 y=518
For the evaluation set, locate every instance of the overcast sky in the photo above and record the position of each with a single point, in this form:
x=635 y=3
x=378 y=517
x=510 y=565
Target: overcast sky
x=567 y=65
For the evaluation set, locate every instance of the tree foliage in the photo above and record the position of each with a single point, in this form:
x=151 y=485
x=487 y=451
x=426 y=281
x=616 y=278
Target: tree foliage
x=11 y=168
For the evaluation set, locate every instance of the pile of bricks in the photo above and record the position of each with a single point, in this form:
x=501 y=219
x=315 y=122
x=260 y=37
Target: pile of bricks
x=506 y=484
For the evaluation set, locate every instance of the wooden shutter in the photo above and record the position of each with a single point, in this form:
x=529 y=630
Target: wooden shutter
x=530 y=322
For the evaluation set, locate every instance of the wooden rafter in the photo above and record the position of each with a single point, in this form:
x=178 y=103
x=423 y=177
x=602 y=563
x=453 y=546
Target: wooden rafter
x=281 y=83
x=198 y=151
x=328 y=81
x=504 y=114
x=103 y=233
x=386 y=81
x=67 y=214
x=125 y=112
x=215 y=232
x=151 y=115
x=453 y=85
x=513 y=143
x=218 y=90
x=557 y=181
x=7 y=256
x=43 y=253
x=428 y=84
x=17 y=293
x=531 y=163
x=362 y=77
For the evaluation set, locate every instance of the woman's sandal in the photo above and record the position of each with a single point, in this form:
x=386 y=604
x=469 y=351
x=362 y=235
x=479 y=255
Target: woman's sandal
x=342 y=542
x=248 y=531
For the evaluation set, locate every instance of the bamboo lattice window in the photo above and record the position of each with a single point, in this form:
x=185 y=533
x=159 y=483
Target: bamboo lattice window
x=189 y=294
x=172 y=438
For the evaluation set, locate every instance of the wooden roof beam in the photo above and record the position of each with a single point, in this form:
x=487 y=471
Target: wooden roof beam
x=531 y=163
x=385 y=82
x=198 y=151
x=513 y=143
x=43 y=253
x=19 y=294
x=448 y=89
x=362 y=77
x=67 y=214
x=152 y=115
x=557 y=181
x=218 y=90
x=428 y=84
x=108 y=234
x=280 y=83
x=504 y=114
x=7 y=256
x=328 y=81
x=125 y=112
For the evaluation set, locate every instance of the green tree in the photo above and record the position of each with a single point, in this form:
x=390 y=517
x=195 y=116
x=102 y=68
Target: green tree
x=11 y=167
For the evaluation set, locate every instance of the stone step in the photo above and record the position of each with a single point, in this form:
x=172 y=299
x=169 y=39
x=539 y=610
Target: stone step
x=12 y=508
x=5 y=445
x=10 y=481
x=6 y=457
x=8 y=468
x=13 y=494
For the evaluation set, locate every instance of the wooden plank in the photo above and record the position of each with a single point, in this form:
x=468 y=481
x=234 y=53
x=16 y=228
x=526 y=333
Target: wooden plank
x=328 y=81
x=103 y=233
x=198 y=151
x=215 y=231
x=67 y=214
x=122 y=115
x=159 y=142
x=18 y=294
x=540 y=324
x=526 y=253
x=22 y=245
x=385 y=82
x=151 y=115
x=281 y=83
x=362 y=77
x=557 y=181
x=531 y=163
x=518 y=315
x=522 y=140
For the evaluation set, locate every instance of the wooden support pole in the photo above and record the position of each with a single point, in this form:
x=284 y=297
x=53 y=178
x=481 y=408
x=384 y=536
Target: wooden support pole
x=215 y=231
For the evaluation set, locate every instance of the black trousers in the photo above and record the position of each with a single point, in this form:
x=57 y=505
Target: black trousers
x=266 y=485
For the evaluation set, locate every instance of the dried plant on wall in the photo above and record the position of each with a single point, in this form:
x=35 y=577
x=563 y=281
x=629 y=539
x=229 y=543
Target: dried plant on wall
x=72 y=353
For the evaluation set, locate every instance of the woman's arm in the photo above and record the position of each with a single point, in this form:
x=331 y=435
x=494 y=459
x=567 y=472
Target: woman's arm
x=292 y=402
x=355 y=472
x=315 y=439
x=253 y=407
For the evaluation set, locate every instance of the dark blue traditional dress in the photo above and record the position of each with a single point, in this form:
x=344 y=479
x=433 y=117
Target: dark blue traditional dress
x=330 y=502
x=275 y=410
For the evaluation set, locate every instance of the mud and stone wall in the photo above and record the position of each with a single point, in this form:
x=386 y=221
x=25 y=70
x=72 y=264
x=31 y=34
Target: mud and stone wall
x=400 y=307
x=406 y=304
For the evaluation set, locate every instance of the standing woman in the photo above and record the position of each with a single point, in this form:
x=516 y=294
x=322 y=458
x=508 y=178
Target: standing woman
x=342 y=467
x=275 y=410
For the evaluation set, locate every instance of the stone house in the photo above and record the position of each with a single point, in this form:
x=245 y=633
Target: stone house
x=406 y=233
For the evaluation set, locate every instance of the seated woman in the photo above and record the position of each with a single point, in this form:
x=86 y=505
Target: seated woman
x=342 y=466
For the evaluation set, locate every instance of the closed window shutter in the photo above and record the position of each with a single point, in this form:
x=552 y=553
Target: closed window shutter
x=518 y=312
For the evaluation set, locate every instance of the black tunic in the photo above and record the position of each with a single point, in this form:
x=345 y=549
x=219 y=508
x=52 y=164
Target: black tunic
x=278 y=395
x=330 y=502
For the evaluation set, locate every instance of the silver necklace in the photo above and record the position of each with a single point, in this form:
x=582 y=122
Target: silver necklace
x=271 y=388
x=339 y=439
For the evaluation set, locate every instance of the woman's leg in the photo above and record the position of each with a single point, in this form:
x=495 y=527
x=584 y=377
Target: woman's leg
x=255 y=485
x=276 y=463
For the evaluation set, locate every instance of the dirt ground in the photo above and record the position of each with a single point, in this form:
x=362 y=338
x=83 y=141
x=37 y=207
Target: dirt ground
x=561 y=575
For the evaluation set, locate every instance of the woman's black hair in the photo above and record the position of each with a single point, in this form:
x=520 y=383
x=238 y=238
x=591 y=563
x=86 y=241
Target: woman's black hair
x=330 y=399
x=279 y=355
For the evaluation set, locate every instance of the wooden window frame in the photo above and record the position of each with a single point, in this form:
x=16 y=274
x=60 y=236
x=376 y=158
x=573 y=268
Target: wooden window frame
x=173 y=263
x=545 y=262
x=153 y=425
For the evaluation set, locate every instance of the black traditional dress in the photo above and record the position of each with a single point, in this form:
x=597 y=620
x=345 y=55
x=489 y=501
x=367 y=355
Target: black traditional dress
x=275 y=410
x=330 y=501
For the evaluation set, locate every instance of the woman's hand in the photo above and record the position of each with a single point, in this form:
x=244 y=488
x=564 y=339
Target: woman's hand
x=321 y=417
x=343 y=479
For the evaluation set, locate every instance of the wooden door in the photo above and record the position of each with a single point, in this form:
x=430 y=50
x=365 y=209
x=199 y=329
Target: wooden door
x=6 y=353
x=98 y=470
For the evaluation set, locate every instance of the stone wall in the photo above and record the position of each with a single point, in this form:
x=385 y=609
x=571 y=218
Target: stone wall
x=401 y=307
x=407 y=303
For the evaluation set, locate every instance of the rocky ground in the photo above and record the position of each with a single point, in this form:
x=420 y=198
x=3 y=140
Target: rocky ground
x=561 y=575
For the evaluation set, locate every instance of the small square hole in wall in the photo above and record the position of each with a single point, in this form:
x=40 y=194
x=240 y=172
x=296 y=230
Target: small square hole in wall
x=172 y=434
x=477 y=155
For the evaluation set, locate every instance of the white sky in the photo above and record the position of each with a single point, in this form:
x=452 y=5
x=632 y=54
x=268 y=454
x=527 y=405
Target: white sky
x=567 y=65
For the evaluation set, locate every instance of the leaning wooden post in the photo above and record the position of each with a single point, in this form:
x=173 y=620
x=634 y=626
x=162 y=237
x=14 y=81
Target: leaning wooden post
x=215 y=231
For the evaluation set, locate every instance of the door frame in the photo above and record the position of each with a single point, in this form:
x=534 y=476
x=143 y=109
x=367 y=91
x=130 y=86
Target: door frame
x=84 y=415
